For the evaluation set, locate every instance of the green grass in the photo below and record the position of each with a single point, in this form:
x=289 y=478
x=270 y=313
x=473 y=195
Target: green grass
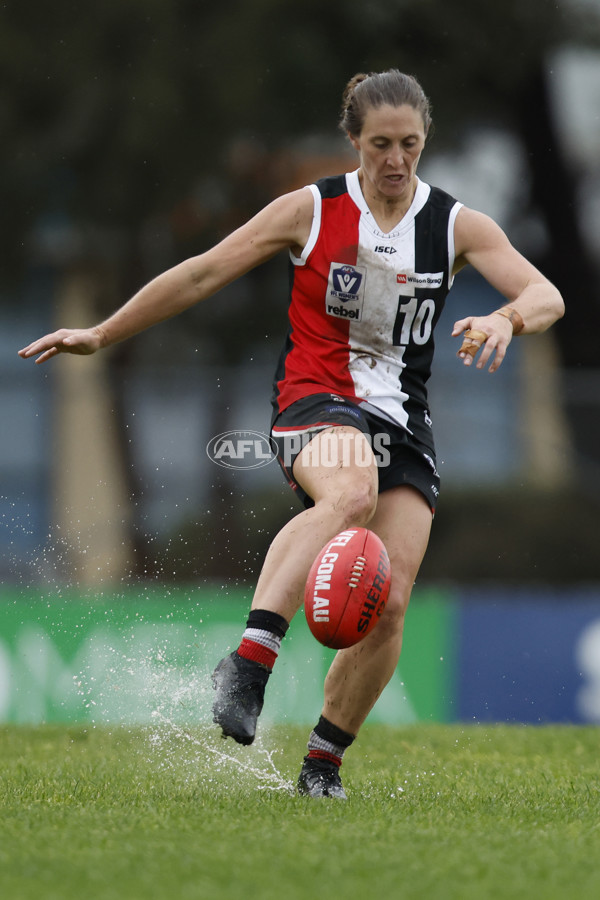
x=434 y=812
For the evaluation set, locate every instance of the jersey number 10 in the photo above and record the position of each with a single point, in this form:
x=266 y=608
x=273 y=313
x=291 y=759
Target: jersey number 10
x=414 y=320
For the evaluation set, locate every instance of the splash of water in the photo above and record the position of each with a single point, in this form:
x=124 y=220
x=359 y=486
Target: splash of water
x=147 y=687
x=267 y=776
x=125 y=666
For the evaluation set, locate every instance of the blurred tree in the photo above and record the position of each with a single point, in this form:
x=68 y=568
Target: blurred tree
x=124 y=121
x=493 y=64
x=148 y=125
x=141 y=131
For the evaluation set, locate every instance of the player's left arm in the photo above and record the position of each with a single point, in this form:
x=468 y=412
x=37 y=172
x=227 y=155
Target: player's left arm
x=534 y=303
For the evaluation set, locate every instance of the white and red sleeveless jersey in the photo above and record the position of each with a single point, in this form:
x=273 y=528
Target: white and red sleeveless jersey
x=364 y=304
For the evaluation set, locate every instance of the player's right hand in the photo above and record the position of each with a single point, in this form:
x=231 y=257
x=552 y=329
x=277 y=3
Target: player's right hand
x=81 y=341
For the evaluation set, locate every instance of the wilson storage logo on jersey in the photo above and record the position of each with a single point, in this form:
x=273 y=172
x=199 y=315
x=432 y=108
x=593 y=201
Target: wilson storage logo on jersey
x=421 y=280
x=345 y=292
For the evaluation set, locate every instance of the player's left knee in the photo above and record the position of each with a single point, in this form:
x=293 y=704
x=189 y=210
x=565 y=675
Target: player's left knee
x=395 y=608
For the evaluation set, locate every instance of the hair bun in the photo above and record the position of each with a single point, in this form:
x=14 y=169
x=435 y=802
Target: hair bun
x=369 y=91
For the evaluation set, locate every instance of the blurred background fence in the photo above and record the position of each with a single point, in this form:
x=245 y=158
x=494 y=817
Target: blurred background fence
x=139 y=135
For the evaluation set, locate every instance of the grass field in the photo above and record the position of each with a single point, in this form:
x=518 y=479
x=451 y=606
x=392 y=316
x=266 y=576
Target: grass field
x=435 y=812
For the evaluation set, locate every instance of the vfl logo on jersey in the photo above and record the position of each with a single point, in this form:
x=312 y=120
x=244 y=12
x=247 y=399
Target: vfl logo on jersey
x=346 y=282
x=345 y=291
x=421 y=280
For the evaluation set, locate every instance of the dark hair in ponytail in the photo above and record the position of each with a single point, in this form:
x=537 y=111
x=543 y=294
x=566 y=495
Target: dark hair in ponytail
x=393 y=88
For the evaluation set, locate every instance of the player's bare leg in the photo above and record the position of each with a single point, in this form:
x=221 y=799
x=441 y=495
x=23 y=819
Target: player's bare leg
x=359 y=674
x=345 y=494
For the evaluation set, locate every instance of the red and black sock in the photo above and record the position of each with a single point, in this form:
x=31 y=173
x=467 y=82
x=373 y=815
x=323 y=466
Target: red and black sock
x=262 y=638
x=328 y=742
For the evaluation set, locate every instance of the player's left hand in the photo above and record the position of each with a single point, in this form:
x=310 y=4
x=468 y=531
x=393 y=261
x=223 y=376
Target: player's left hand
x=485 y=337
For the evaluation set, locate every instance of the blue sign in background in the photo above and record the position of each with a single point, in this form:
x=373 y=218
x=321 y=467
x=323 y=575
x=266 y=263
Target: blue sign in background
x=529 y=658
x=493 y=655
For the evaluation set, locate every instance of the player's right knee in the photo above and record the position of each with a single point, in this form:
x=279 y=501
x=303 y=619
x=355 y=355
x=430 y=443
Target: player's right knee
x=357 y=503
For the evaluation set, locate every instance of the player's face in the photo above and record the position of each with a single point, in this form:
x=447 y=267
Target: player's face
x=389 y=146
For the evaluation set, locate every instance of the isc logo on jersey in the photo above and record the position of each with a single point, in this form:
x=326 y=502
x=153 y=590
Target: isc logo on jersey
x=345 y=292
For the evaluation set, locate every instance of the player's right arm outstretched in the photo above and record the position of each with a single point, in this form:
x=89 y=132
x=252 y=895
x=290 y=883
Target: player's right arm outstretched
x=284 y=223
x=81 y=341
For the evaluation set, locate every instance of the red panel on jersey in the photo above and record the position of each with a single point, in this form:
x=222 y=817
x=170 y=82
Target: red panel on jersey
x=317 y=361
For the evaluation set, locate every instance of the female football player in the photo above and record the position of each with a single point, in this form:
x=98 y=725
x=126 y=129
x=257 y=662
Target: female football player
x=373 y=254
